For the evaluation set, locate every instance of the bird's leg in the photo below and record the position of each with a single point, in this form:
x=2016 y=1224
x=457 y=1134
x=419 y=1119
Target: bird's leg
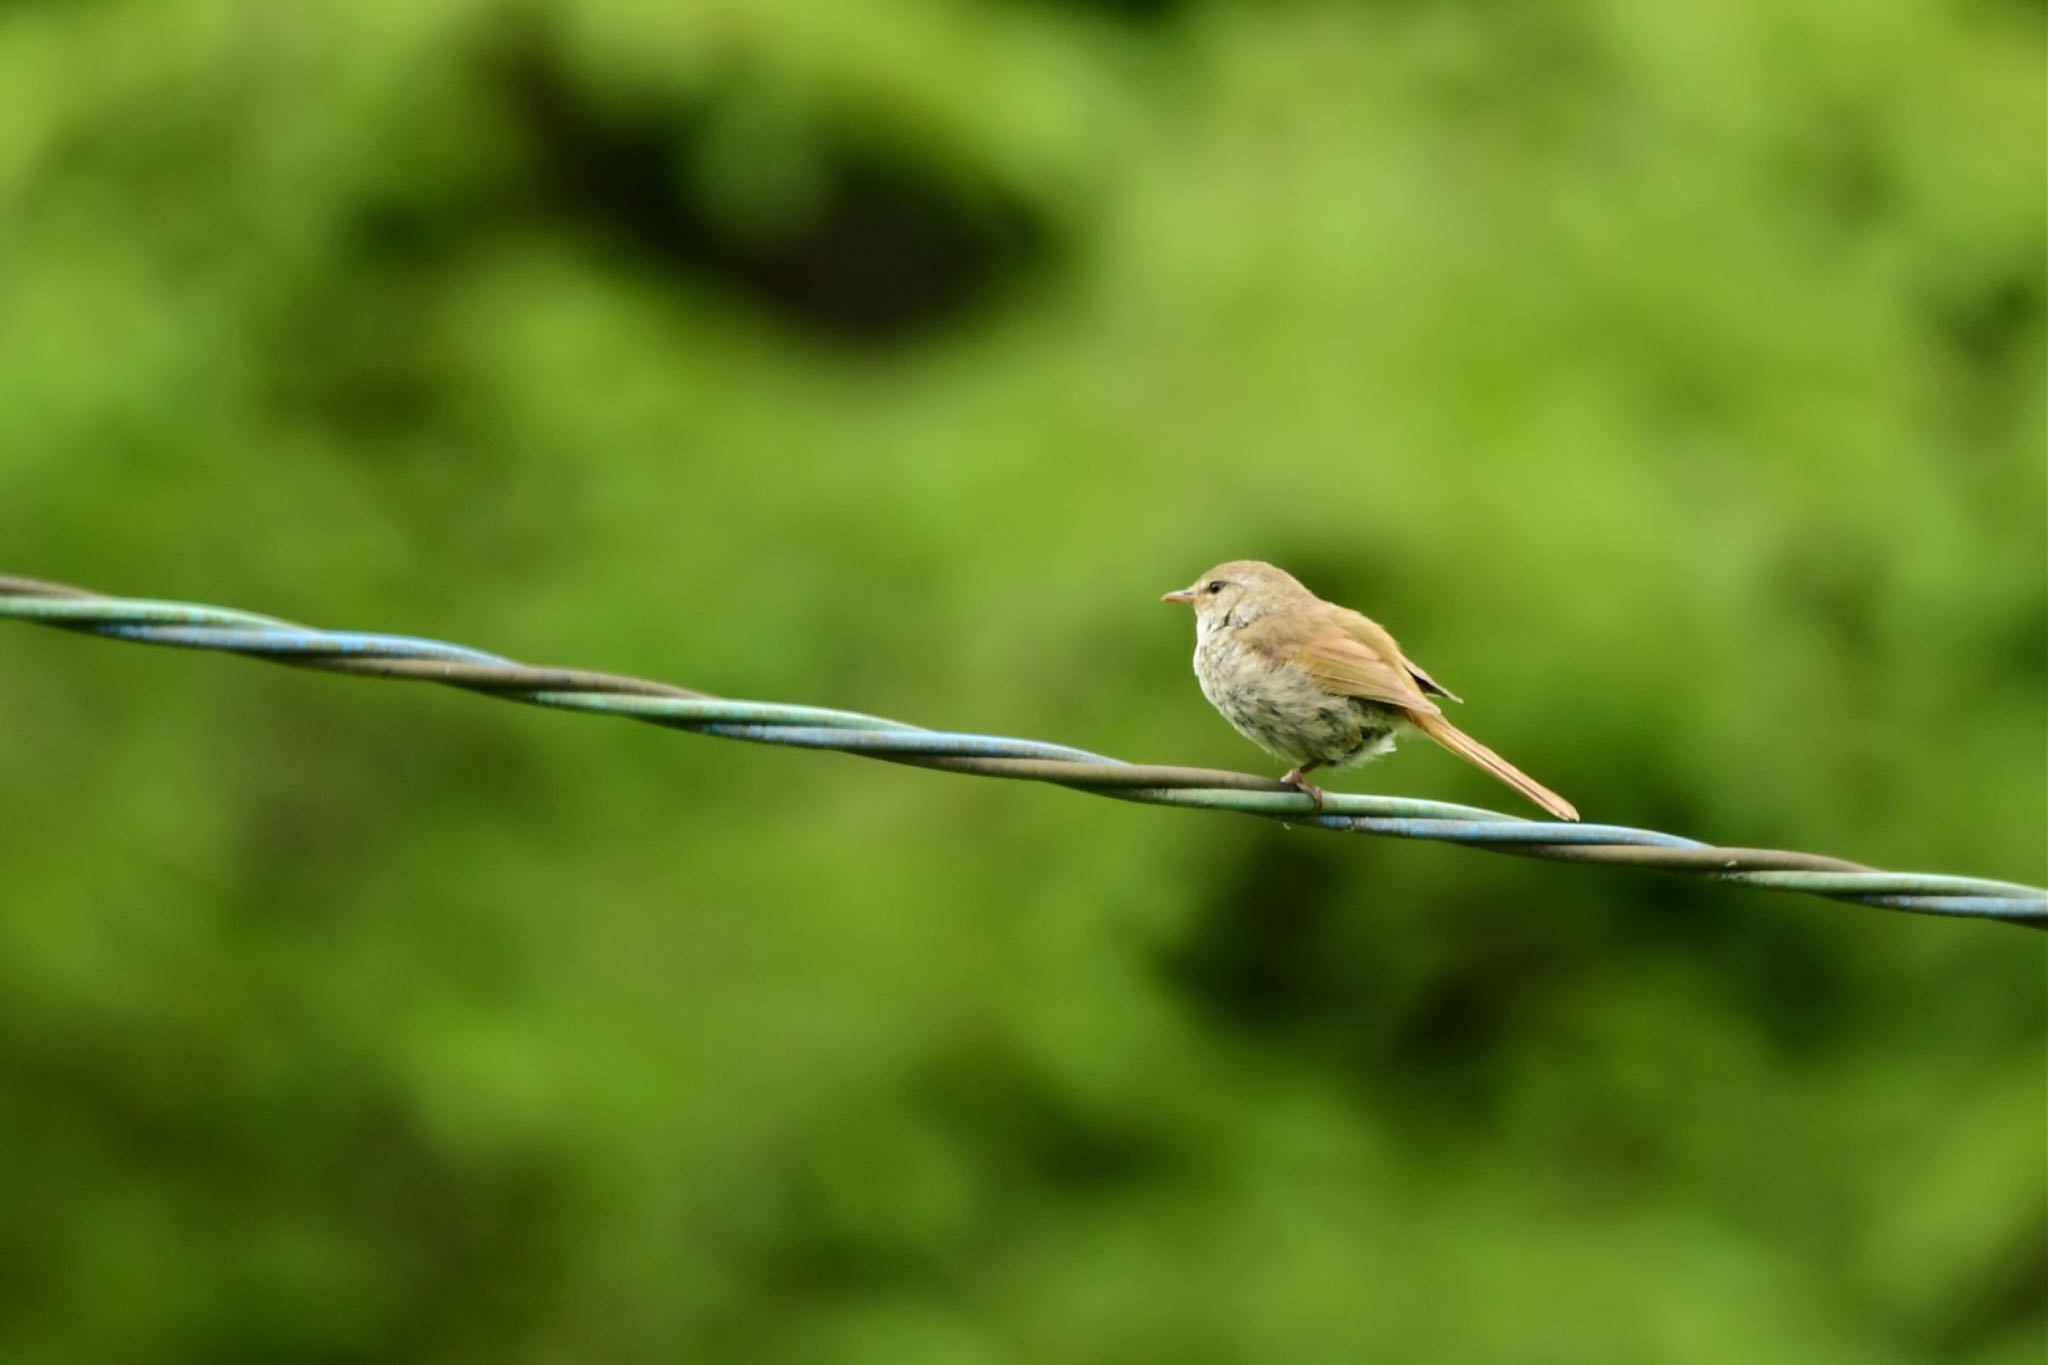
x=1296 y=779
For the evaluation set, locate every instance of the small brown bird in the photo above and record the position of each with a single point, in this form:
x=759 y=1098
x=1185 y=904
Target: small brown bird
x=1317 y=684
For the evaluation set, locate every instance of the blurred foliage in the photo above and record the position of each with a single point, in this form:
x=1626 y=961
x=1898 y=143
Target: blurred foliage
x=1669 y=377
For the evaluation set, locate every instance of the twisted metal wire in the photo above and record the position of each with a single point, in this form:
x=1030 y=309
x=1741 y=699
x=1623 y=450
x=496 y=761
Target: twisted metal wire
x=194 y=626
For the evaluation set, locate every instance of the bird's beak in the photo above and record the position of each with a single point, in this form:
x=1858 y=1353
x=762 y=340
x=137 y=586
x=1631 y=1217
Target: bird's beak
x=1179 y=595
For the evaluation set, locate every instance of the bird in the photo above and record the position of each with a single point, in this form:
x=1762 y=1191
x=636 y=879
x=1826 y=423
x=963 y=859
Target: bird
x=1319 y=685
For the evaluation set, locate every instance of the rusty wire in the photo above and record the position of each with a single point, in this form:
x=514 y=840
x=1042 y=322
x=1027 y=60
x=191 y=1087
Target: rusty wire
x=195 y=626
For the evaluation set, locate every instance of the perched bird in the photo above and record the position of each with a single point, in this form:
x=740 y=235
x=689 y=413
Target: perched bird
x=1317 y=684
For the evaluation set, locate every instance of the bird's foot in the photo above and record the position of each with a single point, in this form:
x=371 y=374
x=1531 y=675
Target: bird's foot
x=1307 y=788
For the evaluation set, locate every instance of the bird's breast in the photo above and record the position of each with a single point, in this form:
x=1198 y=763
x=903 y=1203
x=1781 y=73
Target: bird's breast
x=1282 y=709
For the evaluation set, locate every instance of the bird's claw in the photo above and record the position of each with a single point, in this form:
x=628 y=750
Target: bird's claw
x=1307 y=788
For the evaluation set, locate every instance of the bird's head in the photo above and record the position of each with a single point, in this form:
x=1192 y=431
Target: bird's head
x=1237 y=593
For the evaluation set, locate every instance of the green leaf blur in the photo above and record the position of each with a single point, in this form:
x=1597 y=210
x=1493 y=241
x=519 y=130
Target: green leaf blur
x=1669 y=377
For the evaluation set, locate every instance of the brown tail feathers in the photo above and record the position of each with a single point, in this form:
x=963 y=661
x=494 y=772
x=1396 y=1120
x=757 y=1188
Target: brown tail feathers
x=1478 y=755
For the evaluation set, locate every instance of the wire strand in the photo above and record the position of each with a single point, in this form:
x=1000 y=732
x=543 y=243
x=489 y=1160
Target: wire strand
x=190 y=625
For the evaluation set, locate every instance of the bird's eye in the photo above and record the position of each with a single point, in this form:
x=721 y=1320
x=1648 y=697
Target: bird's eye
x=1215 y=585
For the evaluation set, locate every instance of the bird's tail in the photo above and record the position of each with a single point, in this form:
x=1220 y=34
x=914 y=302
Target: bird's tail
x=1478 y=755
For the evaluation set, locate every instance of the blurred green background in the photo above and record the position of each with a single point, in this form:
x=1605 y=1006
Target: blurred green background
x=1668 y=377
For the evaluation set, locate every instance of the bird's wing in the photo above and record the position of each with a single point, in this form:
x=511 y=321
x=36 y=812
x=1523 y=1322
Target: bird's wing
x=1428 y=683
x=1342 y=662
